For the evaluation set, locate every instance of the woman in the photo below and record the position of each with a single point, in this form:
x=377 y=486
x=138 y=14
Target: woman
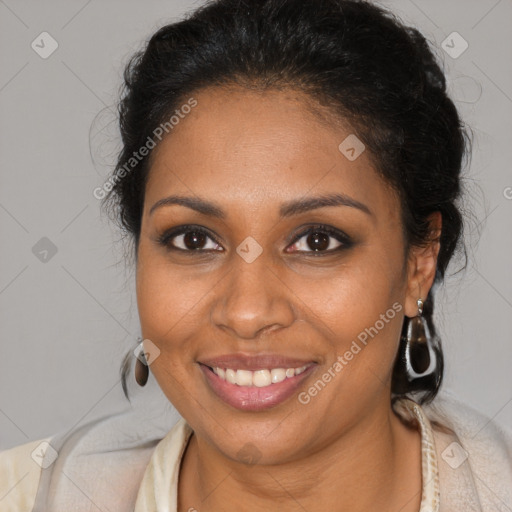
x=290 y=175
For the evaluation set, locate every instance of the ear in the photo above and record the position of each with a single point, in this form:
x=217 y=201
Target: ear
x=421 y=266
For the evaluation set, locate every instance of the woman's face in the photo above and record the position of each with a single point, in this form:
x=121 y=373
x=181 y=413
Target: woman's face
x=248 y=269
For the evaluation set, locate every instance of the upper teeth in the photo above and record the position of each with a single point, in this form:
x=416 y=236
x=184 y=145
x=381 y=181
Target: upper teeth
x=258 y=378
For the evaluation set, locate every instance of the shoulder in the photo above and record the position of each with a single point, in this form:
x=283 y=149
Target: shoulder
x=474 y=452
x=481 y=434
x=20 y=471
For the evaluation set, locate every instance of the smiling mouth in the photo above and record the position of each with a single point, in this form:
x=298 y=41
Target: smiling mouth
x=258 y=378
x=255 y=389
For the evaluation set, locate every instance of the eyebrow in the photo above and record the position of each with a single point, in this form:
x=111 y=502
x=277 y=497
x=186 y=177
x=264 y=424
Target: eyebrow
x=287 y=209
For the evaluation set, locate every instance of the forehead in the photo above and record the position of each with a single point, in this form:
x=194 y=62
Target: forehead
x=242 y=145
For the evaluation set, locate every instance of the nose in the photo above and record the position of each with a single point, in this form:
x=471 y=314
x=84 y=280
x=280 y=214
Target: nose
x=252 y=299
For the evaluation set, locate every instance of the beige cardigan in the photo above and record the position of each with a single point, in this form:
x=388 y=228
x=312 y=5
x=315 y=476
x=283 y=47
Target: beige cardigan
x=467 y=469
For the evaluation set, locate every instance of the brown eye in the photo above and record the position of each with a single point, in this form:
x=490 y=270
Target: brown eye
x=320 y=239
x=194 y=240
x=189 y=239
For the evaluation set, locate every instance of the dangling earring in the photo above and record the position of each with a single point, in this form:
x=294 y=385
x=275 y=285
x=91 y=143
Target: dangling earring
x=141 y=365
x=418 y=346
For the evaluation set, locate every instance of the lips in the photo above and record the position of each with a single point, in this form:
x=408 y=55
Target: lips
x=256 y=362
x=228 y=378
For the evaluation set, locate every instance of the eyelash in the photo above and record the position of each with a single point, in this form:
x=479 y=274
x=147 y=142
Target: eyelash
x=341 y=237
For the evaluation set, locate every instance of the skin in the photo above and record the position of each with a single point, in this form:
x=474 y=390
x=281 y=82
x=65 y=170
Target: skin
x=249 y=152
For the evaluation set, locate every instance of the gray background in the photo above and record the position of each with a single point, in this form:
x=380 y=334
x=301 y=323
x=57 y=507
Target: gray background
x=66 y=322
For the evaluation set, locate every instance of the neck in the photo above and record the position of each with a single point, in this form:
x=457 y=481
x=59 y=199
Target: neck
x=374 y=466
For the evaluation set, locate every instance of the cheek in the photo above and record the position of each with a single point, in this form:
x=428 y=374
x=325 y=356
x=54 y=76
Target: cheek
x=167 y=306
x=360 y=310
x=166 y=299
x=358 y=291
